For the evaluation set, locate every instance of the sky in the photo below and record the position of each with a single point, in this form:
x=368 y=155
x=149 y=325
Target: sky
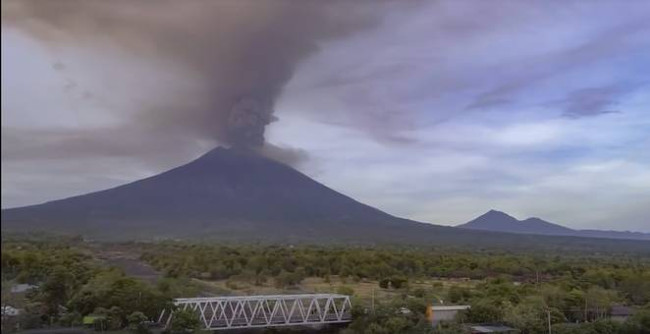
x=436 y=111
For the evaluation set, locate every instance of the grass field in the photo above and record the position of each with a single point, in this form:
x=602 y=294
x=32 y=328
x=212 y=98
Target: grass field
x=364 y=289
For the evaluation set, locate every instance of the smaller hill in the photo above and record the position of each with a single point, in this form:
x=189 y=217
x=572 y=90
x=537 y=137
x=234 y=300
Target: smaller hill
x=497 y=221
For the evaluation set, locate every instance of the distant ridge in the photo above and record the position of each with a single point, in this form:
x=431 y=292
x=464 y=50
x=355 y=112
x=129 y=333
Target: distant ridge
x=497 y=221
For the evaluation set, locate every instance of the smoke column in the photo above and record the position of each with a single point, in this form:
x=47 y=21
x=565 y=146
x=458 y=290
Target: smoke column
x=241 y=52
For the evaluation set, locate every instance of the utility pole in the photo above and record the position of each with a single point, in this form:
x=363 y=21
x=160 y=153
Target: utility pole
x=548 y=311
x=372 y=307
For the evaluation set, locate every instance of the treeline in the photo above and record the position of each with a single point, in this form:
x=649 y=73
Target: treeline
x=521 y=290
x=69 y=284
x=629 y=276
x=571 y=308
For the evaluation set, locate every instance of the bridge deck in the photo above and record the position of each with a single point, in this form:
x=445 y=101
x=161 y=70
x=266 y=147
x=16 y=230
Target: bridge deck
x=231 y=312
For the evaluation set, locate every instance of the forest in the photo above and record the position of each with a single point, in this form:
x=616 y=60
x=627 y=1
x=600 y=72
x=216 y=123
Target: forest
x=72 y=282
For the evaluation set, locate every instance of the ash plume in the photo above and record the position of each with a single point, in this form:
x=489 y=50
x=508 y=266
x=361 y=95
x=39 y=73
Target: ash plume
x=239 y=54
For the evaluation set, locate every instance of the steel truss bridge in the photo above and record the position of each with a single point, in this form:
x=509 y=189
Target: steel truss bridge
x=236 y=312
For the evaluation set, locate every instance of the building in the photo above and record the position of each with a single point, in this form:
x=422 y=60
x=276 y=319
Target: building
x=9 y=311
x=621 y=313
x=439 y=313
x=20 y=288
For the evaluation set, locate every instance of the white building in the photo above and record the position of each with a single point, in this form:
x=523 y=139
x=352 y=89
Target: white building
x=20 y=288
x=439 y=313
x=9 y=311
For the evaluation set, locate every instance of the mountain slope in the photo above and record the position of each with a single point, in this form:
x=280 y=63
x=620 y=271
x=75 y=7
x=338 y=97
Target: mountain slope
x=497 y=221
x=224 y=191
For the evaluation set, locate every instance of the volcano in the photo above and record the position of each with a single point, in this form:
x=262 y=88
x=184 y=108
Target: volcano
x=226 y=193
x=237 y=195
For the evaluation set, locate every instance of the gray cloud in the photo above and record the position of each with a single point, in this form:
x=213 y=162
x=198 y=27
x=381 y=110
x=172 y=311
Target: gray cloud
x=452 y=59
x=241 y=53
x=592 y=101
x=154 y=148
x=523 y=75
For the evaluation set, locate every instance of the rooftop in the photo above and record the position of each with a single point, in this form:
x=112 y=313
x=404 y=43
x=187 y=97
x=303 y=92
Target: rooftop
x=620 y=310
x=450 y=308
x=491 y=329
x=18 y=288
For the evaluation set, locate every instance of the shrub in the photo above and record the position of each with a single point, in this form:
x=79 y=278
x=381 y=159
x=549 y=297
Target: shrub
x=345 y=290
x=185 y=321
x=137 y=323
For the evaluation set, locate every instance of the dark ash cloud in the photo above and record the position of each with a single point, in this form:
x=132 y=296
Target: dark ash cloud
x=241 y=53
x=287 y=155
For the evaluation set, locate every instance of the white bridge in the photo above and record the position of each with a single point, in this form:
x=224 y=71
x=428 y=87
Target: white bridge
x=233 y=312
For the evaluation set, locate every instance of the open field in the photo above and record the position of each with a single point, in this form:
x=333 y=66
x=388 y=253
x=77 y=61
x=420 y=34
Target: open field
x=362 y=289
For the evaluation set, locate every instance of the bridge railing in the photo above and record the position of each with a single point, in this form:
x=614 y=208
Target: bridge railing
x=264 y=311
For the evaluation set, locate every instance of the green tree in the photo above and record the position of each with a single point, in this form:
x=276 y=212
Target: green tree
x=484 y=311
x=116 y=318
x=397 y=324
x=71 y=319
x=636 y=288
x=185 y=321
x=598 y=301
x=137 y=323
x=345 y=290
x=56 y=289
x=640 y=322
x=457 y=294
x=530 y=316
x=32 y=315
x=288 y=279
x=398 y=282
